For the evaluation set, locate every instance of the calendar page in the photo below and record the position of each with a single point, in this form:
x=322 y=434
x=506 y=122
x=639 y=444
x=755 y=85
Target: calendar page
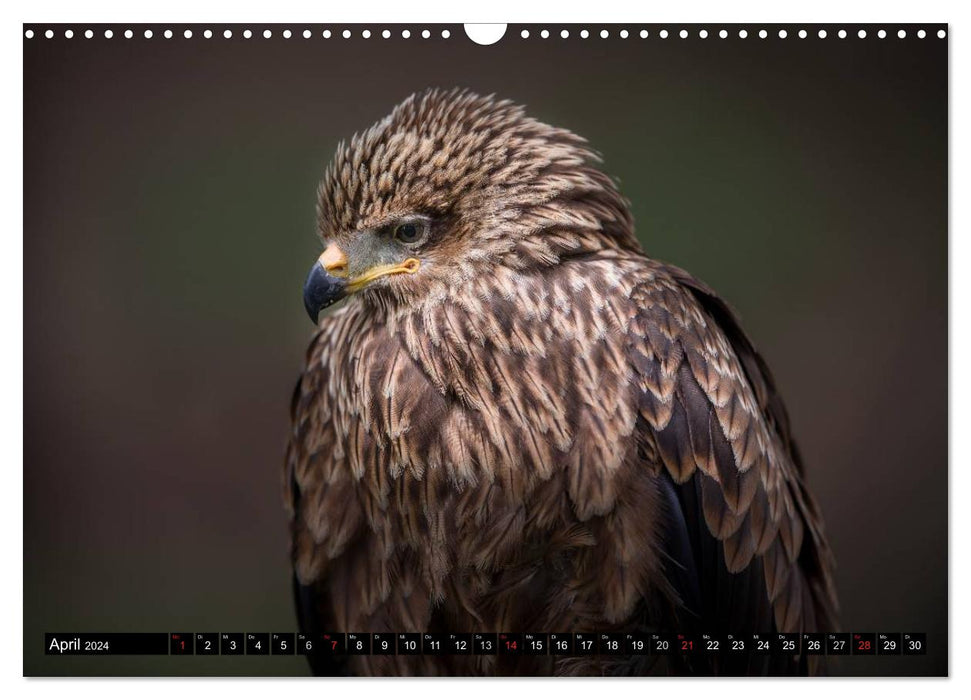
x=485 y=350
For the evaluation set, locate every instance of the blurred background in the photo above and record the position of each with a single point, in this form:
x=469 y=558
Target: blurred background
x=169 y=223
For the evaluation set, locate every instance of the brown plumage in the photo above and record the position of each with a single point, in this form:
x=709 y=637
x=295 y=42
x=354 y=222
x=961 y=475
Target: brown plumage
x=532 y=426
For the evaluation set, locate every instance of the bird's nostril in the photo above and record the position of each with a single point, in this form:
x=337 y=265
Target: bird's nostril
x=337 y=270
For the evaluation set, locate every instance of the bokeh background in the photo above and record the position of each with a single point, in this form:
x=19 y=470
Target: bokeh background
x=169 y=222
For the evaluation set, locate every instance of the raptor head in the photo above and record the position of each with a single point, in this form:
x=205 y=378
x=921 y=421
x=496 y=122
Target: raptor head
x=452 y=186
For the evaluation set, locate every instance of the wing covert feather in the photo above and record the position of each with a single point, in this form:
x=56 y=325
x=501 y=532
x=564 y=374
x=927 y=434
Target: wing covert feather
x=710 y=411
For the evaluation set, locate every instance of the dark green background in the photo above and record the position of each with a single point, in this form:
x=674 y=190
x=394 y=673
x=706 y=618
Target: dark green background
x=169 y=222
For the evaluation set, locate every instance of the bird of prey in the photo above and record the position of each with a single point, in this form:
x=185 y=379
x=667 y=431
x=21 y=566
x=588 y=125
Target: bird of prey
x=517 y=421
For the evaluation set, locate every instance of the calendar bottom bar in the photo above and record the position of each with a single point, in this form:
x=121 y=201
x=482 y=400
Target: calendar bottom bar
x=479 y=643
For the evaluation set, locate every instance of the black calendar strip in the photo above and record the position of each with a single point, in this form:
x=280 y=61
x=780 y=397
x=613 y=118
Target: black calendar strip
x=480 y=643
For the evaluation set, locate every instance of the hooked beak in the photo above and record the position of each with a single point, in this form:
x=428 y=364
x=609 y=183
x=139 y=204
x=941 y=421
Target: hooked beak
x=321 y=290
x=328 y=280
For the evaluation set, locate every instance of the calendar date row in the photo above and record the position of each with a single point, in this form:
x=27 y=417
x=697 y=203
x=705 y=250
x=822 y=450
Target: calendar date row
x=562 y=644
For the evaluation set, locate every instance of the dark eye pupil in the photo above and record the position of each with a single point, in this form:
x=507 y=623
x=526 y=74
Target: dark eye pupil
x=407 y=233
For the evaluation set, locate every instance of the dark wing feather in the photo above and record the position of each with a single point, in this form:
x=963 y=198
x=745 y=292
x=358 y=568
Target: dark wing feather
x=712 y=417
x=816 y=561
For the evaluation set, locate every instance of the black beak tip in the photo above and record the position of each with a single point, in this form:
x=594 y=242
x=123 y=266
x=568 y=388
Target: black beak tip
x=321 y=290
x=314 y=313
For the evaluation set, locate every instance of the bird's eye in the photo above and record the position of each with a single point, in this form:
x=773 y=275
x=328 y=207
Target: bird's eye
x=408 y=232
